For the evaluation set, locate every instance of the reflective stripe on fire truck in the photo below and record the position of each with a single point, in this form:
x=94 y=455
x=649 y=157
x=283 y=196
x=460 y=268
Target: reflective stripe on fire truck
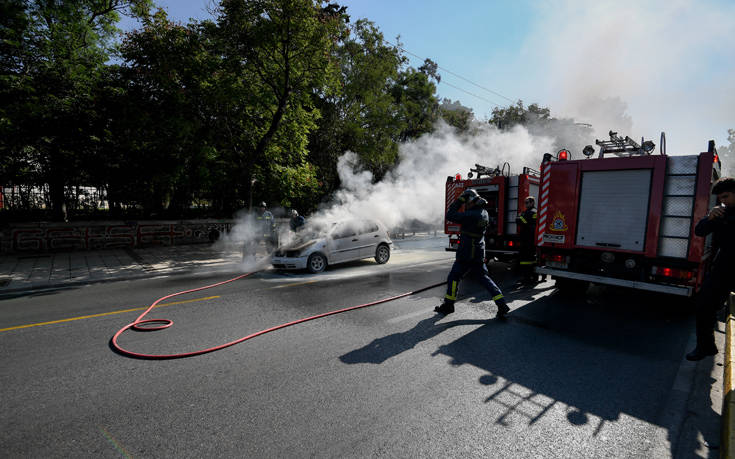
x=543 y=201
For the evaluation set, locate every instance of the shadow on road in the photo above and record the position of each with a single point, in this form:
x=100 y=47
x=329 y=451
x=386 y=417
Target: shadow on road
x=381 y=349
x=602 y=356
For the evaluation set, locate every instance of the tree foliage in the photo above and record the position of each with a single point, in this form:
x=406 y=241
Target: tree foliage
x=507 y=117
x=257 y=104
x=56 y=51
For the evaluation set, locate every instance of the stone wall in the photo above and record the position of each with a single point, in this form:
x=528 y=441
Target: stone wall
x=45 y=236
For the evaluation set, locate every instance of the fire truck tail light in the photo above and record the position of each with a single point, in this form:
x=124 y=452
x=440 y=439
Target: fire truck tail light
x=510 y=243
x=556 y=261
x=672 y=273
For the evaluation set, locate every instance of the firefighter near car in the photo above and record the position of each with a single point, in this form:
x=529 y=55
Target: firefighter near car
x=626 y=217
x=720 y=278
x=470 y=257
x=264 y=230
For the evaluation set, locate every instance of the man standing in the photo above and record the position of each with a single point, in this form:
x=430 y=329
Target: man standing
x=720 y=280
x=266 y=226
x=470 y=256
x=527 y=231
x=264 y=229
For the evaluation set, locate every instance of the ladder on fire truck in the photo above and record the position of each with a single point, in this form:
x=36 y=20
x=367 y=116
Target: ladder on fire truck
x=626 y=146
x=484 y=171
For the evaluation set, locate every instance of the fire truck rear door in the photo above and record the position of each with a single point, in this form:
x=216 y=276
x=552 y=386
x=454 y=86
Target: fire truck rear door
x=613 y=209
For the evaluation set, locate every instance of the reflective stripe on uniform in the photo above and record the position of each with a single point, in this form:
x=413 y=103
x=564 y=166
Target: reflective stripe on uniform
x=453 y=295
x=523 y=219
x=528 y=262
x=497 y=297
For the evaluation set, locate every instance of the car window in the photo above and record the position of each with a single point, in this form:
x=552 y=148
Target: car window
x=369 y=227
x=344 y=230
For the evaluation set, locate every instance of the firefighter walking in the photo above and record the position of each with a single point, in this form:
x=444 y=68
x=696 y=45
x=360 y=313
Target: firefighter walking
x=470 y=258
x=527 y=231
x=720 y=280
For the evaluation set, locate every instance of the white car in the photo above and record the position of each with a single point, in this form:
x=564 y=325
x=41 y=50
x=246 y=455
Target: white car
x=345 y=241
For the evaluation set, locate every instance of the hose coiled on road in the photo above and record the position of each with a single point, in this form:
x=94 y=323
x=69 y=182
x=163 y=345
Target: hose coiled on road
x=138 y=324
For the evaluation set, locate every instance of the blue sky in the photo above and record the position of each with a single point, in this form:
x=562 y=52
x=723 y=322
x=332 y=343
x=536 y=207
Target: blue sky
x=639 y=67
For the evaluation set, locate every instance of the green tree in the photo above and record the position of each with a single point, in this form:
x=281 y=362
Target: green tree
x=456 y=115
x=363 y=116
x=415 y=96
x=276 y=54
x=166 y=86
x=57 y=50
x=507 y=117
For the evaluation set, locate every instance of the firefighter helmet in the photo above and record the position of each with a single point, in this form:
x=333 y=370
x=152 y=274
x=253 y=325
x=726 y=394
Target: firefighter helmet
x=471 y=195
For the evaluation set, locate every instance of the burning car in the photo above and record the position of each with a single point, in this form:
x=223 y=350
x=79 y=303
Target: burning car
x=316 y=246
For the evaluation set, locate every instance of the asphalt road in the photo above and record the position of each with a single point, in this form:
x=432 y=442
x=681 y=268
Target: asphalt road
x=562 y=377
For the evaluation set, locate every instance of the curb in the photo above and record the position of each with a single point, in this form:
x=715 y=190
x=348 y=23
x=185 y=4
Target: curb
x=728 y=401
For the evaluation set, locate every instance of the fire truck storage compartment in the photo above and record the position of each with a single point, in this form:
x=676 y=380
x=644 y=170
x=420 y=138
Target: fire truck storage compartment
x=613 y=209
x=511 y=210
x=678 y=206
x=533 y=191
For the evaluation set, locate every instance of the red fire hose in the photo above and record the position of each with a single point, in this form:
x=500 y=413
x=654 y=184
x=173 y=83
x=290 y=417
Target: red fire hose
x=137 y=324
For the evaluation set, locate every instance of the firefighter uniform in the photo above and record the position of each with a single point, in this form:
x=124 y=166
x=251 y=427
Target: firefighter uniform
x=267 y=225
x=264 y=230
x=718 y=282
x=527 y=252
x=470 y=258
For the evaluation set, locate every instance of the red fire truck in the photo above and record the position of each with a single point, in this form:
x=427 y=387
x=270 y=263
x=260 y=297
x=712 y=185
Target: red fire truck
x=626 y=217
x=503 y=192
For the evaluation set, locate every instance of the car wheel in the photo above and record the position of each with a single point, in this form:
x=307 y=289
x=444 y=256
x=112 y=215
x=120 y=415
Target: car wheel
x=382 y=254
x=316 y=263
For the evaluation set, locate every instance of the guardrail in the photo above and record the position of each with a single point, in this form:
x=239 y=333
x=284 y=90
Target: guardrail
x=728 y=401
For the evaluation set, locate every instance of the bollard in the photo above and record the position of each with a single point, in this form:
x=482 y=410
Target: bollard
x=728 y=401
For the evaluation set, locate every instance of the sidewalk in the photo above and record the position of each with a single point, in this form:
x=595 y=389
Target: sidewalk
x=20 y=272
x=48 y=270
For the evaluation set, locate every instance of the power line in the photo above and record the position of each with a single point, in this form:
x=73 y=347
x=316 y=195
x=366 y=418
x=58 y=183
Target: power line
x=458 y=76
x=470 y=93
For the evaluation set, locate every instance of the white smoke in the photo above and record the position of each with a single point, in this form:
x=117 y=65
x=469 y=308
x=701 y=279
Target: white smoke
x=414 y=190
x=639 y=68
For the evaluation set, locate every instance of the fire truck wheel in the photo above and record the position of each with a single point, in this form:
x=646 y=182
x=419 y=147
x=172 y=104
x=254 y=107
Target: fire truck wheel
x=382 y=254
x=316 y=263
x=571 y=286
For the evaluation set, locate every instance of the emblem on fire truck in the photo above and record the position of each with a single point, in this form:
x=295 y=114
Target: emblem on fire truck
x=559 y=222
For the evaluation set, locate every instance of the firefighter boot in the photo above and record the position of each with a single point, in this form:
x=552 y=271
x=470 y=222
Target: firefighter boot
x=503 y=308
x=445 y=308
x=705 y=346
x=701 y=352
